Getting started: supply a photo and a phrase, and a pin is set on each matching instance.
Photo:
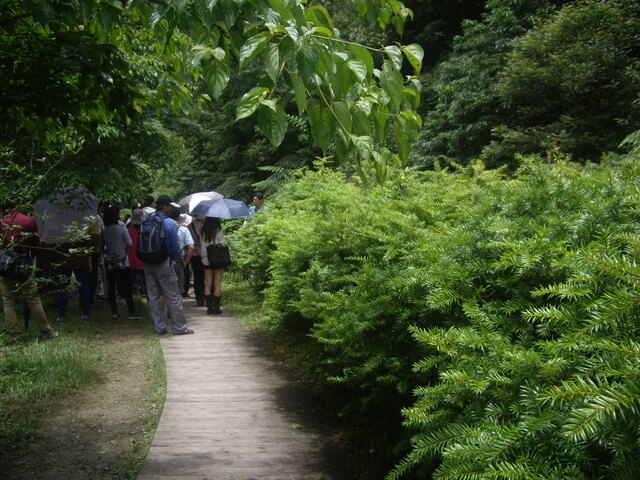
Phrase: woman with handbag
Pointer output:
(215, 258)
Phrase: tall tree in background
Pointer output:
(466, 105)
(572, 83)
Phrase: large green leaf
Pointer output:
(414, 54)
(380, 165)
(319, 16)
(280, 7)
(250, 102)
(343, 115)
(216, 76)
(359, 68)
(380, 114)
(363, 145)
(395, 55)
(362, 54)
(272, 61)
(322, 122)
(361, 122)
(272, 124)
(299, 91)
(392, 83)
(253, 46)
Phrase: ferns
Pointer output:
(509, 308)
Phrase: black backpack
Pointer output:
(152, 244)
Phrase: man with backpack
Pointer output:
(158, 249)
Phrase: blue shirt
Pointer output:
(253, 210)
(171, 229)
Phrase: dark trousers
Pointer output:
(187, 278)
(198, 278)
(93, 275)
(82, 277)
(123, 279)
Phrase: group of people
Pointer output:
(110, 260)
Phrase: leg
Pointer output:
(125, 281)
(168, 281)
(153, 293)
(198, 279)
(9, 297)
(208, 289)
(187, 280)
(84, 291)
(217, 282)
(180, 274)
(217, 289)
(30, 294)
(112, 278)
(93, 276)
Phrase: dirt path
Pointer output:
(101, 431)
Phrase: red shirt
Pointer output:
(134, 261)
(14, 227)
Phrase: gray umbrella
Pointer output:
(66, 209)
(188, 203)
(221, 208)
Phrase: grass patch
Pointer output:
(35, 374)
(35, 371)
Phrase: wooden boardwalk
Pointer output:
(233, 413)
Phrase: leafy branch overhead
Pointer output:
(354, 97)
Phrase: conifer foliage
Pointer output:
(498, 315)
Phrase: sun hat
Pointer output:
(185, 219)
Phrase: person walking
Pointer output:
(20, 233)
(212, 236)
(161, 277)
(116, 242)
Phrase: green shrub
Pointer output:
(502, 308)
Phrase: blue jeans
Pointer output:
(82, 277)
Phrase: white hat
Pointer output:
(185, 219)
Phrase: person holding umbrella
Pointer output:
(214, 250)
(212, 238)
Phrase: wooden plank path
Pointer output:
(233, 413)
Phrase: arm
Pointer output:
(187, 257)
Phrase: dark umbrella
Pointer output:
(65, 209)
(221, 208)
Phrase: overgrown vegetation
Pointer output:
(497, 314)
(474, 314)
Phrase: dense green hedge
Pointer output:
(480, 326)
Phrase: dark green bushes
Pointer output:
(498, 314)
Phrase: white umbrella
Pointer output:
(188, 203)
(64, 210)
